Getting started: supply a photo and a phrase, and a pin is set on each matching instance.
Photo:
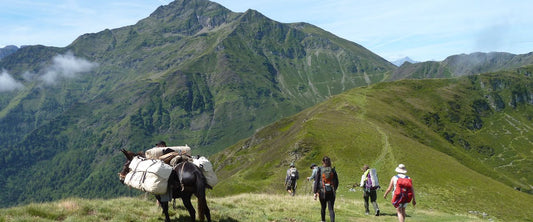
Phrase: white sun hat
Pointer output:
(401, 169)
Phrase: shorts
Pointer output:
(402, 205)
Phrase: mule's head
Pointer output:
(126, 169)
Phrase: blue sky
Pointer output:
(421, 29)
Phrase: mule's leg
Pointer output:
(164, 206)
(203, 208)
(186, 198)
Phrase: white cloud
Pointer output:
(8, 83)
(66, 66)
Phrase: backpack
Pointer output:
(327, 175)
(372, 182)
(294, 174)
(403, 192)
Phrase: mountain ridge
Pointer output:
(205, 77)
(459, 159)
(463, 64)
(8, 50)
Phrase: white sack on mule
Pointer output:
(148, 175)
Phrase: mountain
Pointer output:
(461, 65)
(466, 142)
(8, 50)
(193, 72)
(401, 61)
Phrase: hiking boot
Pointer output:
(377, 212)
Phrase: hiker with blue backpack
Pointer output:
(370, 184)
(403, 192)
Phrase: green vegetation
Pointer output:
(196, 73)
(243, 207)
(462, 149)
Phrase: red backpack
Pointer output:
(403, 192)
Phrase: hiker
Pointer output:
(313, 167)
(369, 183)
(403, 191)
(325, 187)
(290, 179)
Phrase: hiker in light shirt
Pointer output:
(313, 167)
(369, 191)
(400, 199)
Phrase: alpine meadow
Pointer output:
(255, 95)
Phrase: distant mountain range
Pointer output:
(461, 65)
(8, 50)
(401, 61)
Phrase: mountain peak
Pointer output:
(188, 16)
(184, 7)
(8, 50)
(399, 62)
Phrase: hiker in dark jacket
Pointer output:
(325, 187)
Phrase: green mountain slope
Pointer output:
(461, 65)
(466, 142)
(193, 72)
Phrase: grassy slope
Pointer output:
(383, 125)
(244, 207)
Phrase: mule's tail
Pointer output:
(203, 210)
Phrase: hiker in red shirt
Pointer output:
(403, 191)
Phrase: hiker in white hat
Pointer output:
(401, 169)
(403, 192)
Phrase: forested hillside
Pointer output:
(193, 72)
